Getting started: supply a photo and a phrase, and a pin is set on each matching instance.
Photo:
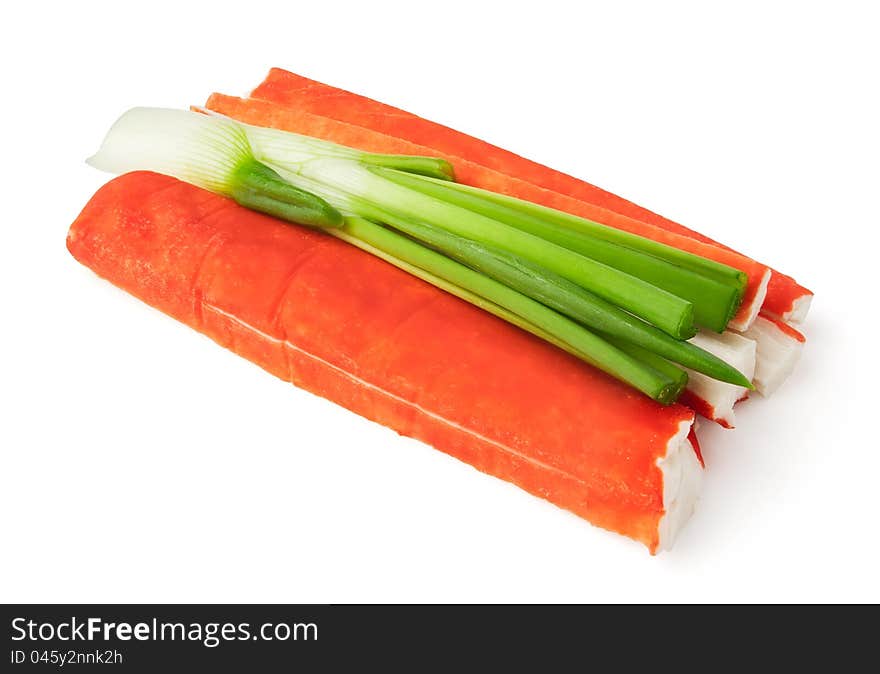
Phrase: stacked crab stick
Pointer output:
(714, 399)
(303, 106)
(417, 353)
(316, 311)
(778, 348)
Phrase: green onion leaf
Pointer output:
(682, 258)
(591, 348)
(428, 167)
(715, 298)
(571, 300)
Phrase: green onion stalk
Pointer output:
(715, 290)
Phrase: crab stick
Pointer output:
(714, 399)
(786, 299)
(779, 348)
(263, 113)
(315, 311)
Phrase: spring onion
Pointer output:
(620, 303)
(353, 188)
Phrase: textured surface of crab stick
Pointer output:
(786, 299)
(264, 113)
(779, 348)
(345, 325)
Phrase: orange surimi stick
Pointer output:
(345, 325)
(264, 113)
(779, 348)
(714, 399)
(785, 298)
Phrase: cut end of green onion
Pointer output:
(686, 327)
(738, 299)
(670, 392)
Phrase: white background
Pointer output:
(140, 462)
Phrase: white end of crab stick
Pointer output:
(799, 309)
(709, 397)
(797, 313)
(779, 347)
(748, 313)
(682, 477)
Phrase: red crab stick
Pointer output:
(345, 325)
(264, 113)
(785, 298)
(714, 399)
(779, 348)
